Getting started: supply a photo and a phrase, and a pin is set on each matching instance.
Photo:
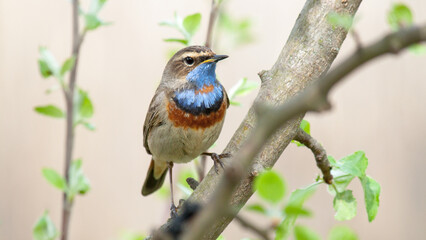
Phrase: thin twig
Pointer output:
(319, 153)
(201, 167)
(263, 233)
(356, 38)
(69, 98)
(213, 14)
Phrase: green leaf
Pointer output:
(183, 41)
(191, 23)
(96, 6)
(78, 183)
(341, 181)
(220, 238)
(235, 103)
(400, 16)
(52, 89)
(44, 228)
(47, 63)
(130, 235)
(50, 110)
(242, 87)
(296, 201)
(54, 178)
(340, 20)
(371, 196)
(83, 107)
(89, 126)
(342, 233)
(299, 196)
(270, 186)
(92, 21)
(344, 204)
(417, 49)
(237, 31)
(257, 207)
(354, 164)
(86, 107)
(168, 23)
(298, 211)
(332, 161)
(305, 126)
(304, 233)
(67, 65)
(44, 69)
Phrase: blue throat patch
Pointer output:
(207, 94)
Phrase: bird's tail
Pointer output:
(154, 178)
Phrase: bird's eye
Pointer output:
(189, 61)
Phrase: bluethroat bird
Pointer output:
(185, 116)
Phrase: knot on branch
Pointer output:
(264, 75)
(256, 170)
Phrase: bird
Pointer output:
(185, 116)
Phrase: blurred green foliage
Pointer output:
(340, 20)
(44, 229)
(91, 17)
(233, 32)
(241, 88)
(130, 235)
(342, 233)
(187, 26)
(270, 186)
(50, 111)
(400, 16)
(305, 233)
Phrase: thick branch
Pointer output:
(311, 99)
(319, 153)
(311, 48)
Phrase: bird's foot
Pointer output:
(173, 211)
(217, 160)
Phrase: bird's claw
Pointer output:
(173, 211)
(217, 160)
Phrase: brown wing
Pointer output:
(152, 118)
(226, 96)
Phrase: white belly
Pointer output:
(180, 145)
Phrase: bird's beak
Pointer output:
(216, 58)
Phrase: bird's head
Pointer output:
(195, 65)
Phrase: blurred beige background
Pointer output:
(379, 109)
